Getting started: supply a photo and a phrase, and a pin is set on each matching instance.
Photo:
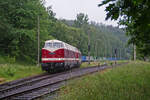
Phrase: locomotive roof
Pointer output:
(53, 41)
(70, 46)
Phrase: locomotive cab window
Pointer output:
(54, 45)
(48, 45)
(57, 45)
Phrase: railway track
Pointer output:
(37, 86)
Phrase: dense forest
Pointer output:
(18, 31)
(104, 39)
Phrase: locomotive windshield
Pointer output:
(48, 45)
(57, 45)
(53, 45)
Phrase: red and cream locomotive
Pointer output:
(59, 55)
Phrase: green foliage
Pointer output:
(103, 39)
(7, 59)
(10, 60)
(129, 82)
(15, 71)
(18, 31)
(81, 20)
(135, 16)
(10, 72)
(19, 27)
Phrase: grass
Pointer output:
(10, 69)
(9, 72)
(129, 82)
(85, 64)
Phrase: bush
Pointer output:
(10, 71)
(7, 59)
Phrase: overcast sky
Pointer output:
(68, 9)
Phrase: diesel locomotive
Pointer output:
(59, 55)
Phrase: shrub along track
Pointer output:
(37, 86)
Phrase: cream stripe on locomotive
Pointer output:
(54, 59)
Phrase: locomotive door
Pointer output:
(66, 63)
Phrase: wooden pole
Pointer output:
(134, 52)
(38, 37)
(115, 56)
(88, 47)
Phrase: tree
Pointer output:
(18, 30)
(18, 27)
(135, 16)
(81, 20)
